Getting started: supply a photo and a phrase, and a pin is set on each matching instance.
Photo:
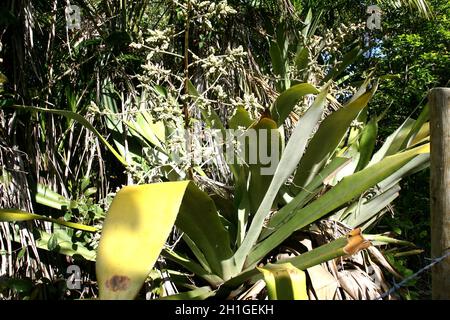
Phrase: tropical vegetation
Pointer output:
(102, 127)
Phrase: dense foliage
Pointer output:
(84, 112)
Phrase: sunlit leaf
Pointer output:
(137, 225)
(284, 282)
(287, 100)
(289, 160)
(345, 191)
(327, 138)
(19, 215)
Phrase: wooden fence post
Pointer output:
(440, 189)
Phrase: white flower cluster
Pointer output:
(329, 46)
(156, 71)
(166, 109)
(218, 64)
(209, 69)
(218, 90)
(232, 54)
(160, 38)
(335, 38)
(156, 41)
(357, 124)
(250, 103)
(204, 12)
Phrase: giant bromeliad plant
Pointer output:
(327, 170)
(328, 182)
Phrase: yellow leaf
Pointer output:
(284, 282)
(134, 232)
(10, 215)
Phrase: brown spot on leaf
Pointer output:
(118, 283)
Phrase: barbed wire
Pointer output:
(397, 286)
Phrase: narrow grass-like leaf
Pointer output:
(370, 209)
(422, 135)
(286, 101)
(153, 132)
(347, 60)
(394, 141)
(421, 120)
(10, 215)
(80, 119)
(367, 143)
(418, 163)
(378, 239)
